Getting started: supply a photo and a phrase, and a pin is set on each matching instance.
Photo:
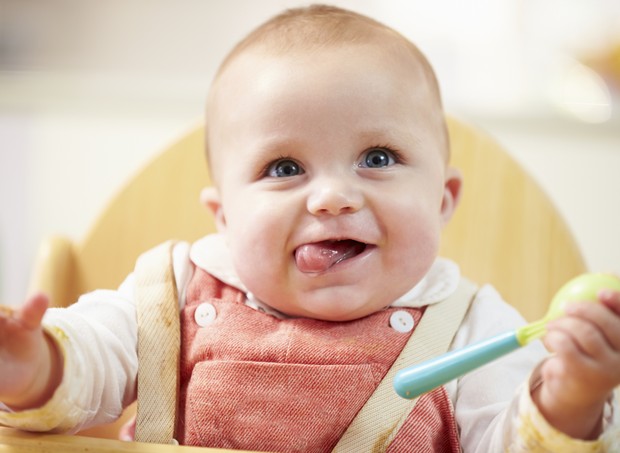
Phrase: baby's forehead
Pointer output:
(314, 39)
(402, 56)
(240, 86)
(387, 55)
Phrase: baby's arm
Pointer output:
(30, 361)
(96, 339)
(585, 368)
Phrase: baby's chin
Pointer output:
(326, 311)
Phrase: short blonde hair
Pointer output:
(318, 27)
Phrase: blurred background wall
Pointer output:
(90, 90)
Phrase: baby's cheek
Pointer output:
(260, 264)
(420, 245)
(409, 263)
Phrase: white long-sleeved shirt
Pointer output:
(493, 408)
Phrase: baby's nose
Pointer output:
(333, 197)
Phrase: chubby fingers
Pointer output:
(31, 313)
(587, 340)
(610, 299)
(595, 326)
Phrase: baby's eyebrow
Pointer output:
(277, 147)
(394, 135)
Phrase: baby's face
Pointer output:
(331, 179)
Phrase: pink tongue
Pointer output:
(320, 256)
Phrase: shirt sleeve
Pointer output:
(529, 431)
(97, 337)
(493, 406)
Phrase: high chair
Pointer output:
(506, 231)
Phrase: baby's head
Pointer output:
(320, 28)
(328, 147)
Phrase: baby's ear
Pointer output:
(451, 194)
(210, 197)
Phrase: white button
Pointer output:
(205, 314)
(174, 442)
(402, 321)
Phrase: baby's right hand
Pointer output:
(29, 361)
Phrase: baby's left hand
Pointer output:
(585, 366)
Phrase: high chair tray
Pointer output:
(14, 441)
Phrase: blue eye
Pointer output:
(377, 158)
(284, 168)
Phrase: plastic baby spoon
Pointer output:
(413, 381)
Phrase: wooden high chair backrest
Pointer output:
(506, 231)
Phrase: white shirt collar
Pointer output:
(211, 254)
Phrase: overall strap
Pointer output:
(378, 422)
(157, 310)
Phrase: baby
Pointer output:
(330, 157)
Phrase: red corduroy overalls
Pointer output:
(252, 381)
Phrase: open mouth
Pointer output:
(321, 256)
